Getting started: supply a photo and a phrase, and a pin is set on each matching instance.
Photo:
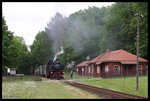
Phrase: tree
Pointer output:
(6, 42)
(14, 51)
(122, 26)
(41, 49)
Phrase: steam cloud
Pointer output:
(74, 31)
(70, 65)
(58, 53)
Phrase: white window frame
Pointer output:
(92, 68)
(107, 68)
(115, 69)
(98, 69)
(140, 68)
(82, 69)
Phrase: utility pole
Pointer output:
(67, 66)
(88, 58)
(137, 66)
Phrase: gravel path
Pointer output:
(70, 80)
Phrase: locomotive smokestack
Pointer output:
(58, 53)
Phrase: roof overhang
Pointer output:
(98, 63)
(128, 62)
(131, 62)
(121, 61)
(80, 66)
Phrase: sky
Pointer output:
(26, 19)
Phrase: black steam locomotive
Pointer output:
(53, 70)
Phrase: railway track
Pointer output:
(105, 93)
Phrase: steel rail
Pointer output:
(105, 93)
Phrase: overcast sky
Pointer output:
(26, 19)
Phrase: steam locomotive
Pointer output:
(53, 70)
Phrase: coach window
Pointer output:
(116, 69)
(140, 69)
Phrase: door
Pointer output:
(102, 72)
(87, 71)
(95, 70)
(125, 70)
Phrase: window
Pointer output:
(106, 68)
(140, 69)
(82, 69)
(77, 69)
(92, 68)
(116, 69)
(98, 69)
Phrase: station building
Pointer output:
(82, 69)
(112, 64)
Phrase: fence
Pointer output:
(123, 74)
(22, 78)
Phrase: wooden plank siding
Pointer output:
(124, 70)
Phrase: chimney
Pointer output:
(107, 50)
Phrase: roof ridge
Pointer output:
(113, 54)
(119, 51)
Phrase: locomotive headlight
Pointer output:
(51, 72)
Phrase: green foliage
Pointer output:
(41, 49)
(68, 56)
(14, 51)
(122, 27)
(6, 42)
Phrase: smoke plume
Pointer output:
(69, 32)
(58, 53)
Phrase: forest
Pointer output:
(89, 32)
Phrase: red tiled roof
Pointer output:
(117, 55)
(83, 64)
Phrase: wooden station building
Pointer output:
(112, 63)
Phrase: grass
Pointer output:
(127, 84)
(18, 90)
(60, 91)
(42, 90)
(28, 88)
